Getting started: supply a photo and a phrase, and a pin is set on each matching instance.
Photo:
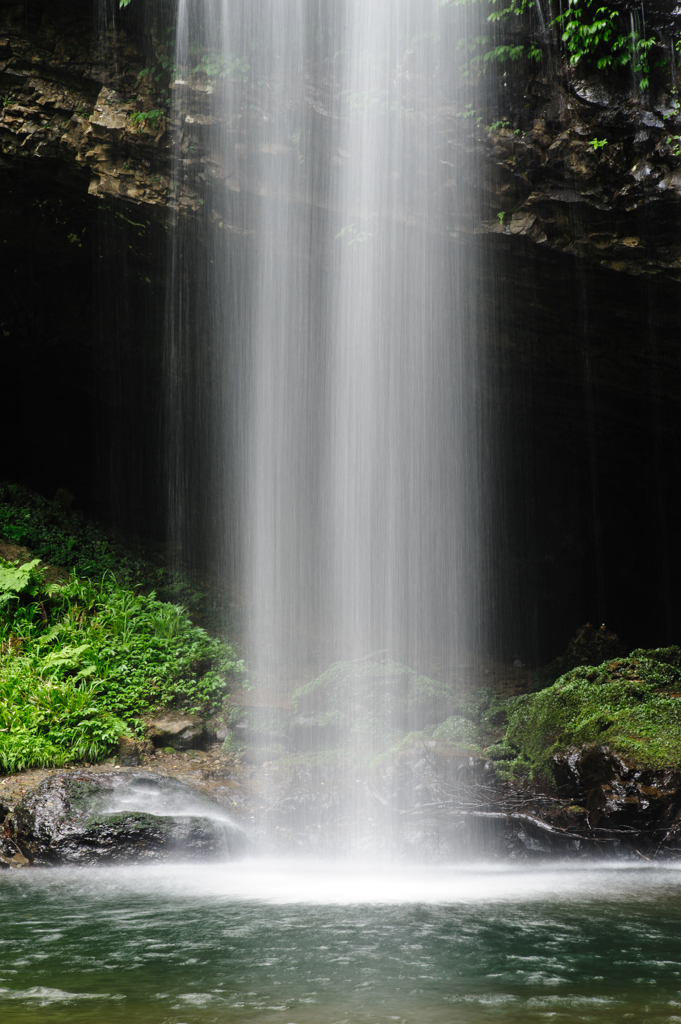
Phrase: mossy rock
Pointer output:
(457, 731)
(589, 646)
(632, 705)
(372, 698)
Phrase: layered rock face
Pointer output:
(69, 88)
(618, 795)
(89, 98)
(588, 166)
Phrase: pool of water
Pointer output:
(311, 943)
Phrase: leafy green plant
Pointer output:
(47, 722)
(63, 537)
(591, 30)
(165, 64)
(96, 660)
(83, 658)
(598, 34)
(598, 144)
(142, 118)
(676, 149)
(17, 581)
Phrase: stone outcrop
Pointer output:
(80, 102)
(69, 91)
(182, 731)
(555, 188)
(614, 794)
(87, 818)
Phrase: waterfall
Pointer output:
(322, 396)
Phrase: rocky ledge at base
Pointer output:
(602, 806)
(89, 818)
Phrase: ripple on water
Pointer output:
(321, 943)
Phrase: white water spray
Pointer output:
(338, 295)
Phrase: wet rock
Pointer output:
(87, 818)
(594, 91)
(14, 860)
(616, 794)
(180, 731)
(367, 696)
(77, 105)
(130, 751)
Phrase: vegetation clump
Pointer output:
(82, 658)
(593, 32)
(457, 731)
(633, 705)
(61, 536)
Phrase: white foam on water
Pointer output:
(335, 883)
(40, 995)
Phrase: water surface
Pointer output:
(313, 943)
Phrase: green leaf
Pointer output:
(19, 579)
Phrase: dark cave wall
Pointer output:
(581, 376)
(81, 349)
(583, 412)
(83, 272)
(48, 413)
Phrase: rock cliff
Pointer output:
(582, 162)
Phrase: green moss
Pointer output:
(457, 731)
(373, 698)
(502, 750)
(631, 704)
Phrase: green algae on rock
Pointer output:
(632, 705)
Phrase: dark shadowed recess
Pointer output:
(584, 428)
(81, 347)
(580, 383)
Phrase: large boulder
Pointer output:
(94, 818)
(631, 705)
